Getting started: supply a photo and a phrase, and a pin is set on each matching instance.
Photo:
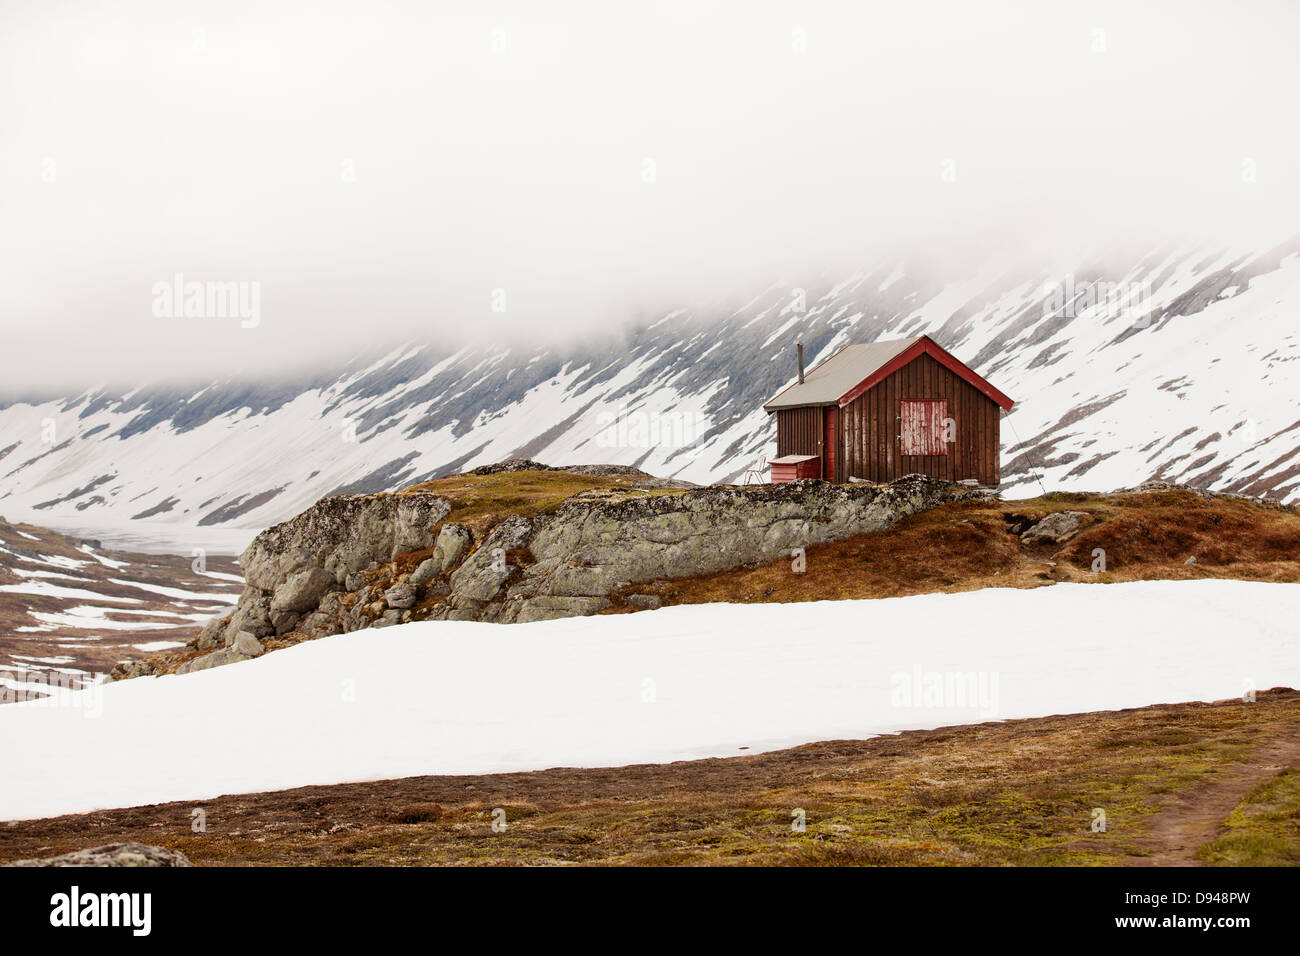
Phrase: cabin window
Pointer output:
(923, 426)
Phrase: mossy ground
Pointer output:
(525, 493)
(1264, 830)
(1013, 793)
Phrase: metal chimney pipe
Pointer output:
(799, 346)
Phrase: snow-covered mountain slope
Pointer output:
(675, 684)
(1172, 364)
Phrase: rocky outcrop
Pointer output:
(358, 561)
(341, 535)
(592, 546)
(293, 568)
(113, 854)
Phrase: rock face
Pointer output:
(591, 546)
(452, 543)
(293, 568)
(358, 561)
(113, 854)
(302, 590)
(342, 534)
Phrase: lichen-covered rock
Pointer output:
(218, 658)
(426, 572)
(591, 546)
(564, 562)
(401, 596)
(113, 854)
(302, 590)
(332, 604)
(321, 624)
(484, 572)
(124, 670)
(452, 543)
(549, 608)
(344, 534)
(284, 621)
(247, 645)
(253, 613)
(213, 634)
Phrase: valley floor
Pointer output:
(70, 609)
(1181, 784)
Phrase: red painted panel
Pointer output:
(922, 426)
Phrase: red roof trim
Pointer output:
(926, 346)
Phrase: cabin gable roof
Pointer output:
(855, 369)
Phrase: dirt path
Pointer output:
(1195, 816)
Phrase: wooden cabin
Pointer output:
(881, 410)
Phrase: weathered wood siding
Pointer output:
(798, 432)
(870, 428)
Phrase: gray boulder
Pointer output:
(482, 575)
(215, 659)
(1056, 528)
(332, 604)
(125, 670)
(284, 621)
(453, 540)
(247, 645)
(251, 614)
(213, 634)
(400, 596)
(113, 854)
(426, 572)
(548, 608)
(321, 624)
(302, 590)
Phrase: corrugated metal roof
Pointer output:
(838, 374)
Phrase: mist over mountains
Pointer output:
(1174, 364)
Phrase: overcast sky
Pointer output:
(379, 169)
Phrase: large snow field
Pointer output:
(673, 684)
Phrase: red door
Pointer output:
(830, 421)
